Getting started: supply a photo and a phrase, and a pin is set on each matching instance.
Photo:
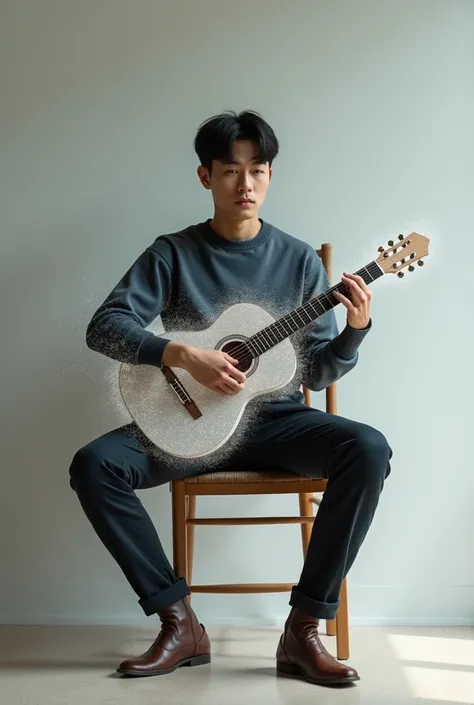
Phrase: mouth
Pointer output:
(245, 202)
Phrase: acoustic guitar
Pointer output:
(184, 418)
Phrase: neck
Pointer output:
(232, 229)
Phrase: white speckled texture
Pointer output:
(161, 416)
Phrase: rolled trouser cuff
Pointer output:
(165, 598)
(318, 610)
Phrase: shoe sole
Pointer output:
(194, 661)
(293, 672)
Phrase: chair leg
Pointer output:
(178, 500)
(342, 624)
(306, 510)
(191, 514)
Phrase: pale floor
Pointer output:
(76, 665)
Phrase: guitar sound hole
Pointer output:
(238, 350)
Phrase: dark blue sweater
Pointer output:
(189, 277)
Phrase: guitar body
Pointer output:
(161, 415)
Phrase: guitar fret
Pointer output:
(369, 274)
(329, 301)
(312, 309)
(251, 343)
(281, 329)
(277, 323)
(258, 342)
(302, 319)
(270, 330)
(321, 305)
(278, 333)
(266, 340)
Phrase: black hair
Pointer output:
(216, 136)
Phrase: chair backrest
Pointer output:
(325, 253)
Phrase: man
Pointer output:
(188, 278)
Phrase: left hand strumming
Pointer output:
(358, 306)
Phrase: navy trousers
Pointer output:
(354, 458)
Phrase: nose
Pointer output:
(245, 184)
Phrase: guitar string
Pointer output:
(246, 345)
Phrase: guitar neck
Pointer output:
(302, 316)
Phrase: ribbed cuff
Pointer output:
(345, 344)
(164, 599)
(150, 351)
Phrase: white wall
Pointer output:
(373, 104)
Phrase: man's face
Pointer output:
(231, 183)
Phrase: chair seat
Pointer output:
(242, 476)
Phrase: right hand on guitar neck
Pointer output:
(214, 369)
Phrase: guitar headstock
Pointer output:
(404, 253)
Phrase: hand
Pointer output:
(214, 369)
(358, 306)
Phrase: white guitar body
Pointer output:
(161, 415)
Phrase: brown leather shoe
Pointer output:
(300, 653)
(182, 641)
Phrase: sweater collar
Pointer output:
(211, 236)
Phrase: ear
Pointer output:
(203, 174)
(270, 172)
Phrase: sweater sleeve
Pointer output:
(117, 328)
(327, 355)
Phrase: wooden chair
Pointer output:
(185, 491)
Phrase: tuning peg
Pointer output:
(400, 237)
(411, 268)
(420, 263)
(400, 274)
(390, 243)
(381, 249)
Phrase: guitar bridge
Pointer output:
(180, 390)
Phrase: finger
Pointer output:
(230, 358)
(359, 280)
(236, 374)
(223, 388)
(344, 300)
(234, 384)
(227, 389)
(357, 292)
(226, 381)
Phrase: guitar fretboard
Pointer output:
(303, 315)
